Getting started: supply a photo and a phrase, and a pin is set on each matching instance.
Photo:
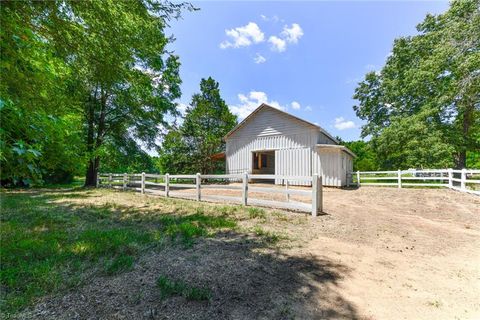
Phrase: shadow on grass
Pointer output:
(246, 277)
(242, 277)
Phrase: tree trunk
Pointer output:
(461, 160)
(92, 172)
(467, 122)
(94, 139)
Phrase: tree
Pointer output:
(109, 62)
(207, 120)
(423, 108)
(366, 158)
(126, 77)
(38, 136)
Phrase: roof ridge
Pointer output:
(238, 126)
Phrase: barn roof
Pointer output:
(263, 106)
(338, 147)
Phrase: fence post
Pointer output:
(124, 181)
(245, 189)
(286, 189)
(167, 185)
(110, 178)
(463, 179)
(317, 189)
(450, 178)
(358, 178)
(97, 184)
(143, 183)
(198, 183)
(399, 179)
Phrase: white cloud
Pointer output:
(273, 18)
(243, 36)
(295, 105)
(342, 124)
(289, 35)
(250, 102)
(259, 59)
(308, 108)
(278, 44)
(292, 34)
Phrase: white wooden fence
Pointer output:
(465, 180)
(191, 186)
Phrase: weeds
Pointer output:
(169, 288)
(255, 213)
(119, 264)
(267, 236)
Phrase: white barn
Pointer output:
(271, 141)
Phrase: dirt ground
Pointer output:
(377, 253)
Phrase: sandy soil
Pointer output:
(377, 253)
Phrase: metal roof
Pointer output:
(337, 146)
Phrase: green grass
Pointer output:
(255, 213)
(169, 288)
(267, 236)
(119, 264)
(50, 243)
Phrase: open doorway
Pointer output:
(263, 162)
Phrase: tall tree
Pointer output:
(207, 121)
(423, 107)
(123, 80)
(39, 136)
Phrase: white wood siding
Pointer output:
(293, 162)
(333, 165)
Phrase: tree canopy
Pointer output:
(83, 78)
(423, 108)
(190, 147)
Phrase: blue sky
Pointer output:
(303, 57)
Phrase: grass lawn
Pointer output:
(56, 239)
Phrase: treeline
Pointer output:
(422, 109)
(369, 160)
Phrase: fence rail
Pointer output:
(175, 186)
(465, 180)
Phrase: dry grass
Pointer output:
(416, 251)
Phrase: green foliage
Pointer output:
(169, 288)
(81, 79)
(189, 148)
(366, 157)
(39, 138)
(126, 157)
(423, 107)
(473, 159)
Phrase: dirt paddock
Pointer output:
(377, 253)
